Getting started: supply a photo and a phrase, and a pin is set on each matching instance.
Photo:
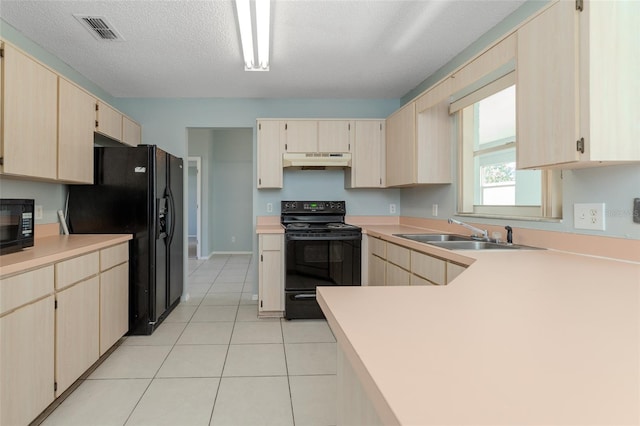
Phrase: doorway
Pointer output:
(195, 196)
(226, 179)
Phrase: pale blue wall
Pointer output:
(614, 185)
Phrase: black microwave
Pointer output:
(16, 225)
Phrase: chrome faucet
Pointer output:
(477, 232)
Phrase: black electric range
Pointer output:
(320, 250)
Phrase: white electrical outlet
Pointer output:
(392, 208)
(233, 239)
(589, 216)
(37, 212)
(434, 210)
(269, 207)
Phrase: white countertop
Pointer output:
(521, 337)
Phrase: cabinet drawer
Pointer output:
(271, 242)
(416, 280)
(399, 256)
(453, 270)
(76, 269)
(431, 268)
(397, 276)
(113, 256)
(21, 289)
(378, 247)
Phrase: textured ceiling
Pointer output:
(319, 48)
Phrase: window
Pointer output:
(491, 184)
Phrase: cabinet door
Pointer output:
(335, 135)
(131, 132)
(301, 136)
(396, 275)
(114, 305)
(377, 271)
(271, 273)
(26, 362)
(547, 88)
(400, 147)
(30, 117)
(76, 124)
(433, 135)
(109, 121)
(77, 331)
(428, 267)
(398, 255)
(367, 165)
(269, 154)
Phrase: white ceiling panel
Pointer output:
(319, 48)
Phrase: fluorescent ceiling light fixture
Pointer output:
(245, 21)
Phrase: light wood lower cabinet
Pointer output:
(114, 305)
(271, 275)
(391, 264)
(77, 331)
(397, 276)
(27, 362)
(428, 267)
(55, 322)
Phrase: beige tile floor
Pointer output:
(213, 362)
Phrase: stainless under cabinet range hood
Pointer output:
(318, 159)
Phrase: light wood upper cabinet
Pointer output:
(300, 136)
(367, 163)
(400, 147)
(577, 79)
(76, 124)
(29, 117)
(269, 154)
(108, 121)
(131, 132)
(335, 136)
(310, 136)
(271, 274)
(433, 135)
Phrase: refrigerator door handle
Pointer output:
(171, 214)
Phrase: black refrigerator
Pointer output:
(138, 190)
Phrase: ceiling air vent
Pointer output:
(99, 27)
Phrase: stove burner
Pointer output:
(338, 226)
(298, 225)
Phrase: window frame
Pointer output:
(551, 200)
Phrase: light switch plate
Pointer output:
(589, 216)
(37, 212)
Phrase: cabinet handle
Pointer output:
(261, 258)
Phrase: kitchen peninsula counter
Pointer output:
(520, 337)
(52, 249)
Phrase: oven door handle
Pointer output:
(323, 238)
(304, 296)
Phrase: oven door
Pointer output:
(322, 261)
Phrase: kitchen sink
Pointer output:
(427, 238)
(479, 245)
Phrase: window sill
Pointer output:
(507, 217)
